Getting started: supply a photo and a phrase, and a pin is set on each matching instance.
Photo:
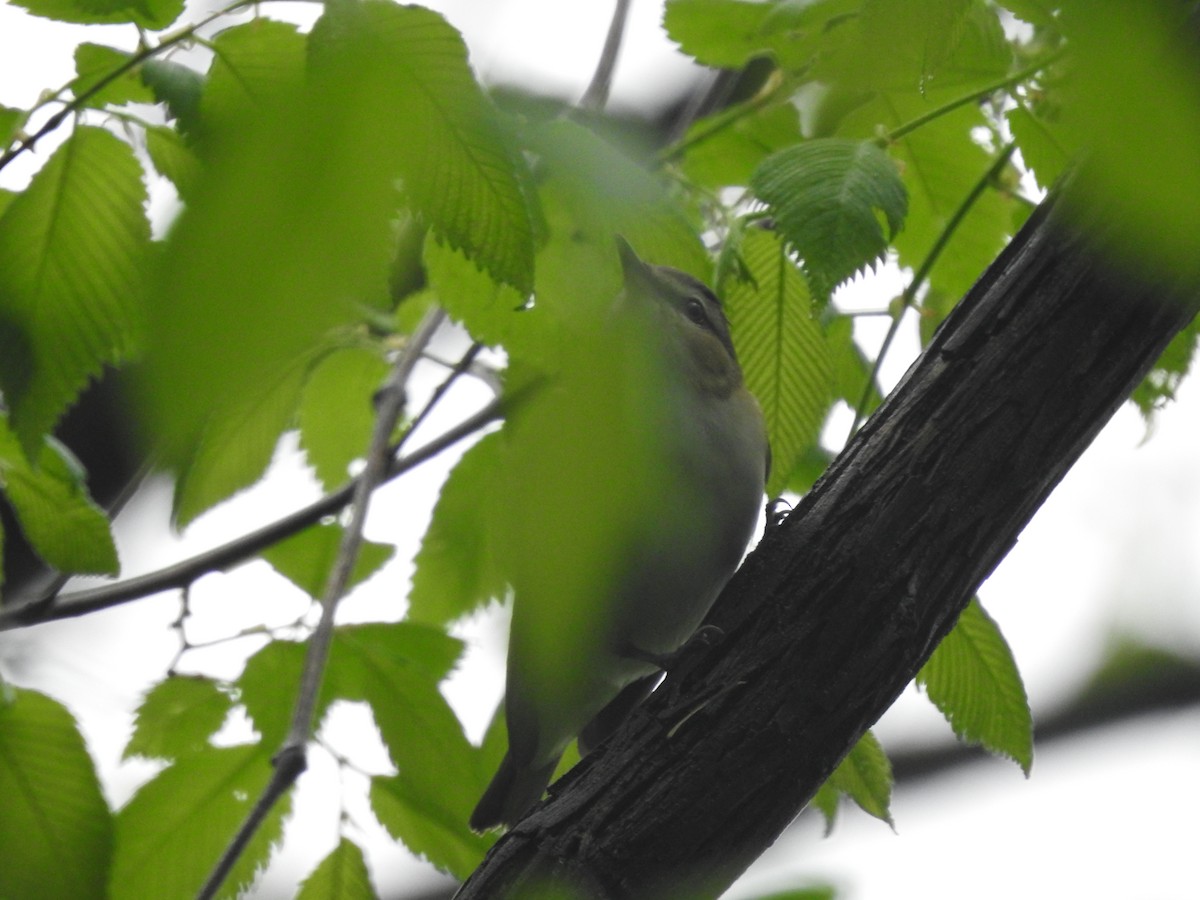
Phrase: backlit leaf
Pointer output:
(72, 248)
(782, 349)
(972, 678)
(56, 829)
(172, 831)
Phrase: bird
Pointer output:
(677, 551)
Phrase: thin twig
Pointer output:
(910, 292)
(291, 760)
(80, 102)
(237, 551)
(181, 574)
(596, 95)
(974, 97)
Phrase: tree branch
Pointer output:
(596, 95)
(838, 607)
(247, 546)
(292, 758)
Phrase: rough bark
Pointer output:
(839, 606)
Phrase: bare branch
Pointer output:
(596, 95)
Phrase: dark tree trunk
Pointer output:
(839, 606)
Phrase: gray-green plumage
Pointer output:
(712, 440)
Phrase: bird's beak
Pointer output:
(638, 276)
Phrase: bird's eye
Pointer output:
(694, 310)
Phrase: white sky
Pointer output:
(1115, 548)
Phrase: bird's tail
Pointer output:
(513, 790)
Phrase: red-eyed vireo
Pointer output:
(672, 555)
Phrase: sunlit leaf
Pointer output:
(173, 158)
(10, 121)
(782, 349)
(95, 62)
(865, 776)
(336, 413)
(342, 875)
(172, 831)
(491, 312)
(729, 33)
(307, 558)
(72, 248)
(57, 515)
(1159, 386)
(917, 47)
(1140, 152)
(255, 65)
(442, 130)
(729, 156)
(177, 716)
(152, 14)
(454, 572)
(1041, 144)
(416, 812)
(972, 678)
(56, 829)
(237, 442)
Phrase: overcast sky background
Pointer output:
(1109, 814)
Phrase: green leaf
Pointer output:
(239, 439)
(972, 678)
(831, 198)
(865, 776)
(454, 572)
(49, 495)
(94, 62)
(342, 875)
(783, 352)
(416, 812)
(72, 247)
(173, 158)
(730, 156)
(815, 892)
(336, 414)
(267, 688)
(172, 831)
(851, 368)
(461, 174)
(271, 677)
(942, 164)
(1159, 386)
(728, 33)
(177, 86)
(396, 670)
(11, 122)
(1151, 207)
(1043, 148)
(307, 558)
(915, 47)
(178, 716)
(491, 312)
(929, 44)
(56, 830)
(255, 65)
(591, 192)
(154, 15)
